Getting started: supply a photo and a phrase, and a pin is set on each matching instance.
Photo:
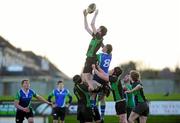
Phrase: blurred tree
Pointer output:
(126, 67)
(177, 79)
(166, 73)
(150, 74)
(177, 74)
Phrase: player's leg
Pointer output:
(123, 118)
(87, 115)
(30, 116)
(19, 116)
(87, 77)
(30, 120)
(97, 117)
(93, 99)
(101, 98)
(87, 71)
(121, 111)
(79, 114)
(62, 114)
(143, 119)
(128, 109)
(133, 116)
(145, 112)
(55, 115)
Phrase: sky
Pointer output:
(144, 31)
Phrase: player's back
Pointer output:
(104, 60)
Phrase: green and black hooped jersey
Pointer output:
(94, 45)
(82, 94)
(139, 94)
(116, 86)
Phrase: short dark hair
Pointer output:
(77, 79)
(109, 48)
(60, 81)
(103, 30)
(22, 82)
(117, 71)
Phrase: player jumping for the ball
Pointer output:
(95, 44)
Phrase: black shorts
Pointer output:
(20, 115)
(142, 109)
(84, 114)
(88, 64)
(96, 114)
(120, 107)
(59, 112)
(99, 80)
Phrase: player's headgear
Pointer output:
(117, 71)
(77, 79)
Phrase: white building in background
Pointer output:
(16, 65)
(11, 58)
(44, 64)
(14, 58)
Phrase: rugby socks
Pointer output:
(93, 103)
(103, 106)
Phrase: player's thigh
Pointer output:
(120, 107)
(123, 118)
(86, 77)
(20, 116)
(55, 113)
(62, 113)
(96, 85)
(87, 115)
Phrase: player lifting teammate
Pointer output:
(104, 60)
(117, 90)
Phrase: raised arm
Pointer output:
(93, 22)
(86, 23)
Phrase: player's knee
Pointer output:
(123, 120)
(30, 120)
(19, 121)
(130, 120)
